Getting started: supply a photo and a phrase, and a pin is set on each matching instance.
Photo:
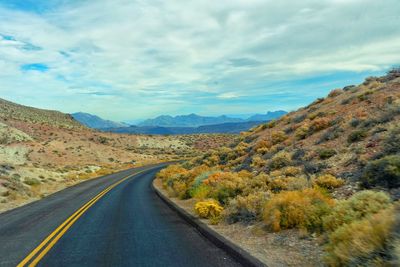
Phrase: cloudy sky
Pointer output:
(127, 59)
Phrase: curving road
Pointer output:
(122, 222)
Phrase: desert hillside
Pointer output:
(324, 179)
(42, 151)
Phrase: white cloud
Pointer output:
(125, 54)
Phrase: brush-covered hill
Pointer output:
(42, 151)
(95, 122)
(328, 172)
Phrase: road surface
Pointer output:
(116, 220)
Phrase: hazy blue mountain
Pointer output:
(229, 127)
(93, 121)
(193, 120)
(266, 117)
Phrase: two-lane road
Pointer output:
(116, 220)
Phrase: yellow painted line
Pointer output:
(60, 230)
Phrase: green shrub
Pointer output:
(382, 172)
(360, 205)
(357, 136)
(326, 153)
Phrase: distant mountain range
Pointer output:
(93, 121)
(229, 127)
(193, 120)
(182, 124)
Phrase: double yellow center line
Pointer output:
(41, 250)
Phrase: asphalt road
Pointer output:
(127, 226)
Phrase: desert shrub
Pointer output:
(328, 181)
(335, 93)
(364, 96)
(391, 74)
(297, 183)
(326, 153)
(354, 122)
(280, 160)
(278, 137)
(292, 171)
(330, 134)
(347, 100)
(257, 183)
(391, 144)
(263, 146)
(297, 209)
(278, 184)
(258, 162)
(31, 181)
(302, 132)
(226, 185)
(360, 205)
(319, 124)
(299, 118)
(209, 209)
(312, 168)
(171, 171)
(382, 172)
(348, 88)
(246, 208)
(298, 154)
(361, 243)
(200, 192)
(357, 136)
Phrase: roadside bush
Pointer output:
(360, 205)
(361, 243)
(357, 136)
(226, 185)
(209, 209)
(297, 209)
(328, 181)
(382, 172)
(246, 208)
(326, 153)
(201, 191)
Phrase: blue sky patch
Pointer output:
(35, 67)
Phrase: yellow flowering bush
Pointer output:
(328, 181)
(209, 209)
